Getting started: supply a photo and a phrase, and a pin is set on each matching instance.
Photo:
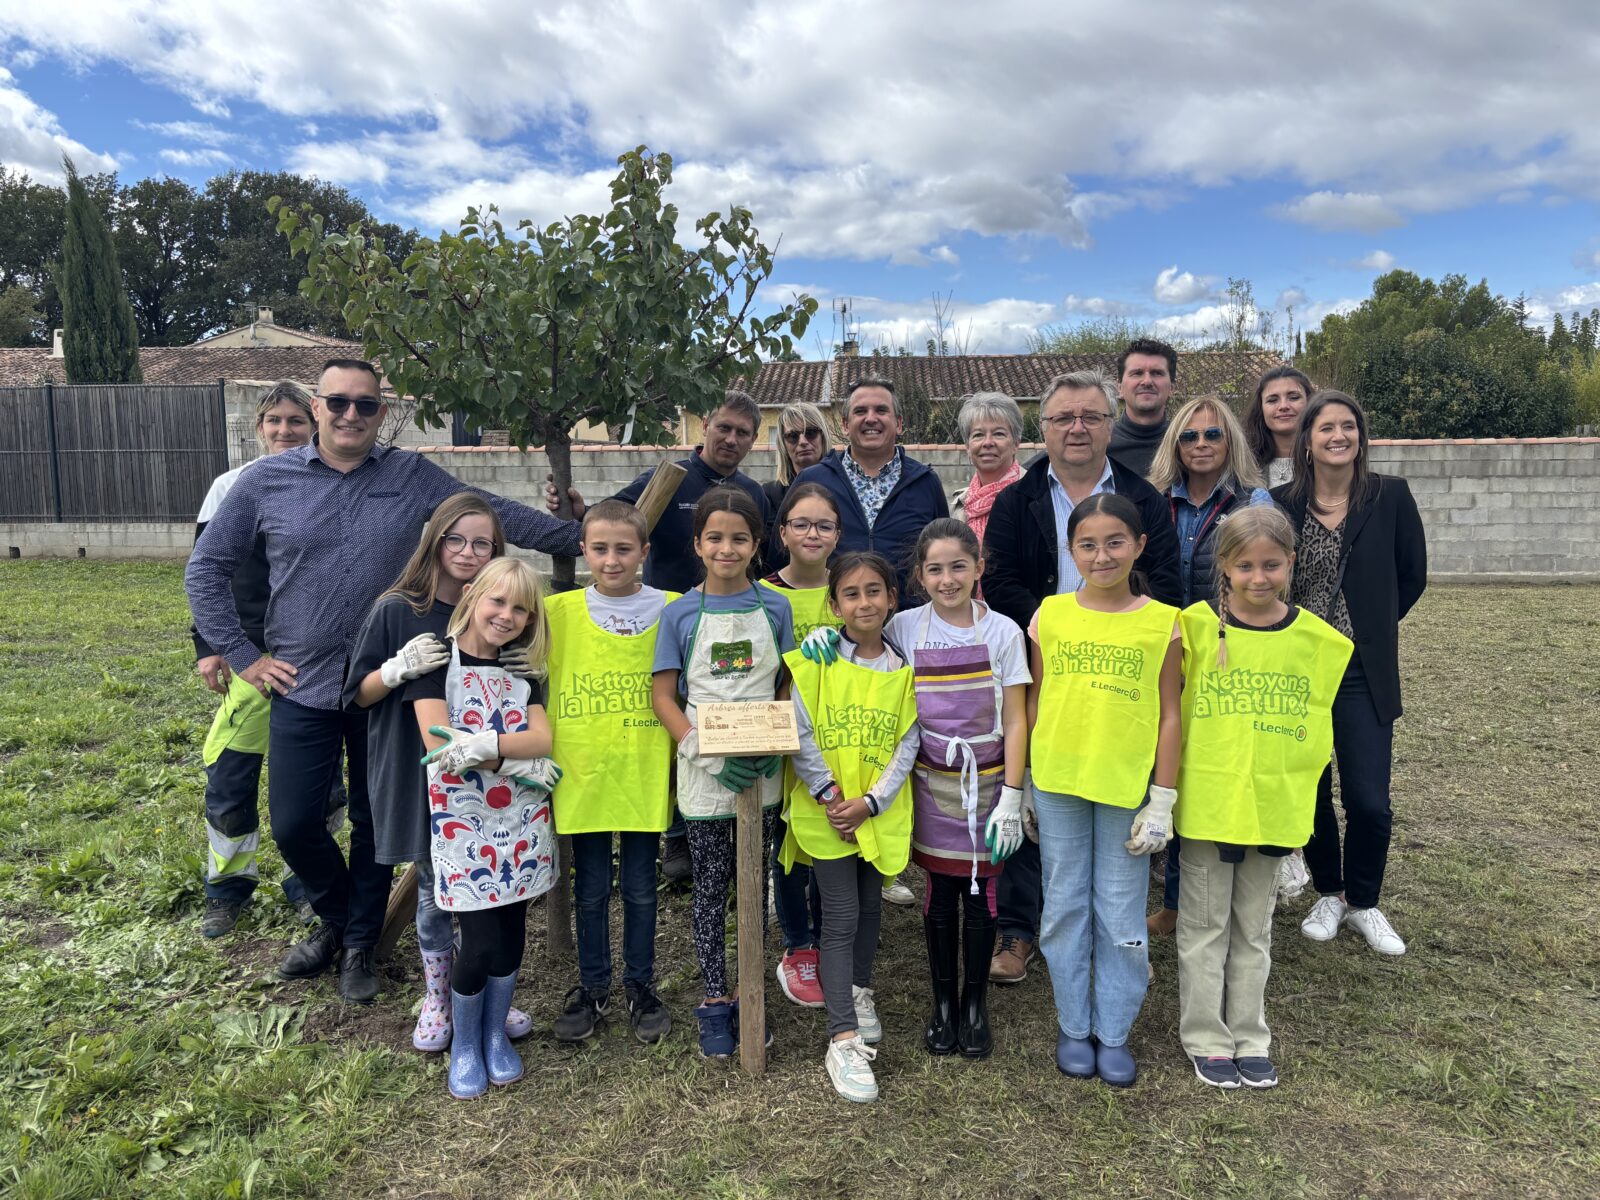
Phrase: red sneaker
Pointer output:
(797, 976)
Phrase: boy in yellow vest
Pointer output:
(617, 759)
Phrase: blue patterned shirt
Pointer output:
(873, 490)
(334, 540)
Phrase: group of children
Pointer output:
(917, 726)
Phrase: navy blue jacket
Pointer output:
(673, 565)
(917, 499)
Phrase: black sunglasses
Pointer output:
(1212, 434)
(365, 405)
(811, 434)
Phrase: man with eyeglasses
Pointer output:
(1026, 559)
(885, 496)
(1146, 371)
(339, 518)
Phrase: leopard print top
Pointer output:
(1315, 571)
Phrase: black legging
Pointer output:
(948, 893)
(491, 945)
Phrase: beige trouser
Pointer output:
(1224, 951)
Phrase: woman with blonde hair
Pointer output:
(236, 746)
(1205, 470)
(800, 439)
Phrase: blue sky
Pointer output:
(1038, 163)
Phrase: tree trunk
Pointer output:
(563, 578)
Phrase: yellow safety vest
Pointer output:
(858, 717)
(240, 724)
(808, 607)
(1257, 733)
(615, 756)
(1099, 699)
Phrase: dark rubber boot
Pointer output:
(976, 1040)
(943, 952)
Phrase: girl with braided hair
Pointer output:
(1260, 676)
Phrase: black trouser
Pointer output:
(1019, 896)
(491, 946)
(1363, 746)
(304, 746)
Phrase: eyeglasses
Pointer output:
(810, 433)
(1064, 422)
(1212, 433)
(803, 526)
(481, 547)
(367, 406)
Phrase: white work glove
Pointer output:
(1152, 828)
(415, 659)
(1003, 833)
(821, 645)
(515, 660)
(462, 751)
(542, 774)
(734, 774)
(1030, 814)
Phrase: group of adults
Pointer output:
(295, 549)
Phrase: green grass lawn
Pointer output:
(136, 1059)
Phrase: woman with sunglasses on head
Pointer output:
(402, 640)
(1204, 470)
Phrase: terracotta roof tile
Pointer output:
(780, 383)
(30, 366)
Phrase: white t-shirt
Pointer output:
(921, 629)
(627, 615)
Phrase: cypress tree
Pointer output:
(101, 341)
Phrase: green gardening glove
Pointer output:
(737, 774)
(768, 765)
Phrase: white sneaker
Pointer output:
(868, 1028)
(899, 893)
(1322, 922)
(1293, 878)
(850, 1068)
(1371, 924)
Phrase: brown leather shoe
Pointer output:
(1011, 958)
(1162, 923)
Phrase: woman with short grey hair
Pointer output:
(991, 429)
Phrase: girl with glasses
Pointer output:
(1205, 471)
(403, 640)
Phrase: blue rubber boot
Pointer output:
(499, 1055)
(1115, 1065)
(1075, 1056)
(467, 1077)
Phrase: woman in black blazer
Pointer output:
(1362, 563)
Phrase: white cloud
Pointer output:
(1378, 260)
(1097, 306)
(203, 157)
(993, 327)
(961, 127)
(1171, 287)
(32, 140)
(202, 132)
(1364, 212)
(1292, 296)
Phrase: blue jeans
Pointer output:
(795, 895)
(591, 902)
(435, 931)
(304, 745)
(1092, 932)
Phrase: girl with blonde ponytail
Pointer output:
(1257, 732)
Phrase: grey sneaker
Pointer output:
(1218, 1070)
(647, 1016)
(868, 1028)
(581, 1015)
(220, 917)
(1257, 1072)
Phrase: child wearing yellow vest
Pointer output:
(808, 529)
(1104, 711)
(617, 760)
(849, 810)
(1260, 677)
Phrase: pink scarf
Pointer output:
(979, 498)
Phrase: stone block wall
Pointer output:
(1493, 509)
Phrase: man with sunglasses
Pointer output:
(1026, 559)
(339, 517)
(1146, 371)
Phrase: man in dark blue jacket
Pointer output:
(885, 497)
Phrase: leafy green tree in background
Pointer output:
(19, 315)
(602, 319)
(1103, 335)
(1444, 359)
(102, 341)
(166, 260)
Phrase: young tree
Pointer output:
(102, 341)
(605, 319)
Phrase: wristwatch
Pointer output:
(830, 794)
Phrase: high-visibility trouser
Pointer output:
(234, 751)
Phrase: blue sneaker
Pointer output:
(1217, 1070)
(1257, 1072)
(716, 1030)
(1115, 1065)
(1075, 1056)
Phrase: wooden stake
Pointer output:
(400, 912)
(752, 923)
